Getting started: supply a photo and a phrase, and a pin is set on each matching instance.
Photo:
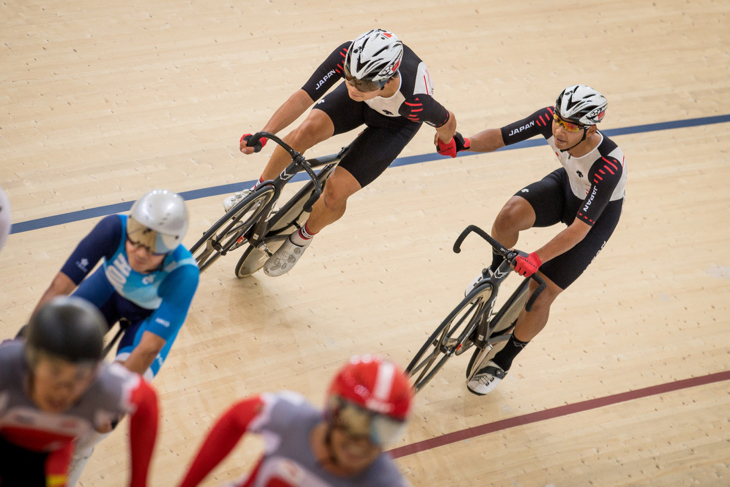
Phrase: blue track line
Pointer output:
(195, 194)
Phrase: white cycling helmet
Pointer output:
(5, 221)
(581, 104)
(372, 59)
(158, 221)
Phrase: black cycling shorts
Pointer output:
(554, 202)
(20, 467)
(378, 145)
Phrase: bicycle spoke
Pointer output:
(239, 220)
(461, 323)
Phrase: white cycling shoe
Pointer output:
(231, 201)
(486, 379)
(285, 258)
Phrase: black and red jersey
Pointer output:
(413, 100)
(596, 178)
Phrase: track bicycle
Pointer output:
(254, 223)
(474, 323)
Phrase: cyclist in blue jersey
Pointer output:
(146, 277)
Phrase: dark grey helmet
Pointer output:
(69, 328)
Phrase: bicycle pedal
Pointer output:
(262, 247)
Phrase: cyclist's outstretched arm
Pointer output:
(486, 141)
(539, 123)
(292, 109)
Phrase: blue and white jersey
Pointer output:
(142, 289)
(157, 301)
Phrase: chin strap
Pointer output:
(585, 131)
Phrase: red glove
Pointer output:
(527, 266)
(259, 145)
(457, 144)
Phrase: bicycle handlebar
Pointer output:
(297, 159)
(509, 255)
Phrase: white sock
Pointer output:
(302, 236)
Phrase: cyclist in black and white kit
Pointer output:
(586, 194)
(387, 88)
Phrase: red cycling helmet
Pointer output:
(370, 396)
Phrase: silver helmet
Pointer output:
(581, 104)
(5, 221)
(158, 221)
(372, 59)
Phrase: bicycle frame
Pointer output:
(232, 230)
(266, 227)
(476, 327)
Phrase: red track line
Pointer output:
(556, 413)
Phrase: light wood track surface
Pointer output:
(102, 101)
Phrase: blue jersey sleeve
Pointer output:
(176, 292)
(103, 241)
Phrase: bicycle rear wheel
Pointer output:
(452, 337)
(228, 233)
(502, 326)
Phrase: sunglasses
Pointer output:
(362, 85)
(144, 245)
(568, 126)
(359, 423)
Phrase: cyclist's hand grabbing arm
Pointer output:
(447, 140)
(446, 132)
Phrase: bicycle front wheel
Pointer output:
(253, 258)
(501, 327)
(453, 336)
(229, 233)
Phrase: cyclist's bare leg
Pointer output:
(530, 324)
(332, 204)
(316, 127)
(527, 327)
(516, 215)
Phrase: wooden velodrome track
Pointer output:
(103, 101)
